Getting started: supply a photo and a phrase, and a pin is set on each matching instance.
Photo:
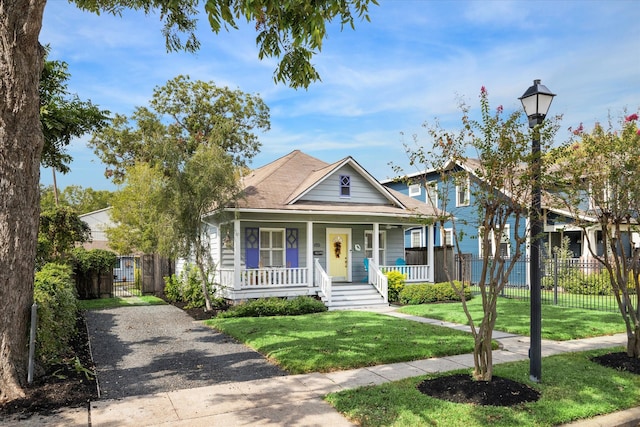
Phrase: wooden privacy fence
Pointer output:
(149, 279)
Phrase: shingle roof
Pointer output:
(276, 186)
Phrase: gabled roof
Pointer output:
(283, 184)
(472, 166)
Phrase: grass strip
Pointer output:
(572, 388)
(558, 323)
(339, 340)
(102, 303)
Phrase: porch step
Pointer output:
(349, 296)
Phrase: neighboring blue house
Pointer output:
(427, 187)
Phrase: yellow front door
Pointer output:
(338, 254)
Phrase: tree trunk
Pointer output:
(21, 141)
(482, 355)
(204, 276)
(633, 343)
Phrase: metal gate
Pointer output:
(126, 276)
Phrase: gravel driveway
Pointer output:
(150, 349)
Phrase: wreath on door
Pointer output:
(337, 246)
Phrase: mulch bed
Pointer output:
(461, 388)
(61, 386)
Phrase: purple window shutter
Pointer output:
(252, 247)
(292, 247)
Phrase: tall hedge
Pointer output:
(55, 293)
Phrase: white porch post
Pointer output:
(310, 263)
(237, 248)
(376, 243)
(429, 242)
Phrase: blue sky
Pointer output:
(380, 83)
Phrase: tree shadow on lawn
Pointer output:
(346, 340)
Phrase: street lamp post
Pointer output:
(536, 102)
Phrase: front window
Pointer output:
(463, 192)
(599, 197)
(272, 251)
(382, 245)
(415, 190)
(345, 186)
(497, 247)
(416, 239)
(446, 236)
(432, 193)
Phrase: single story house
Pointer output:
(306, 227)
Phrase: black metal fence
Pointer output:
(564, 282)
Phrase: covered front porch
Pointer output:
(259, 259)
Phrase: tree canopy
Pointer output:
(290, 30)
(183, 115)
(81, 200)
(178, 161)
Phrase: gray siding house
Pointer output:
(306, 227)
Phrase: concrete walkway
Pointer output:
(296, 400)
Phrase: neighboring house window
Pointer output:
(599, 198)
(503, 246)
(415, 190)
(345, 186)
(446, 237)
(463, 192)
(382, 245)
(272, 248)
(432, 193)
(416, 238)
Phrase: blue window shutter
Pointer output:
(252, 247)
(292, 247)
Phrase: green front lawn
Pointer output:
(572, 388)
(558, 323)
(338, 340)
(102, 303)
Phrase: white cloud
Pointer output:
(411, 64)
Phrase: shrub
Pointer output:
(172, 288)
(55, 294)
(192, 289)
(396, 284)
(275, 307)
(187, 288)
(88, 266)
(426, 292)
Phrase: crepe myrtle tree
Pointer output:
(289, 30)
(602, 169)
(495, 155)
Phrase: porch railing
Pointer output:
(413, 273)
(322, 280)
(378, 280)
(266, 277)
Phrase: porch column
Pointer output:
(237, 249)
(376, 243)
(310, 264)
(429, 243)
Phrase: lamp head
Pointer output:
(536, 102)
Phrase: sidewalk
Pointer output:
(296, 400)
